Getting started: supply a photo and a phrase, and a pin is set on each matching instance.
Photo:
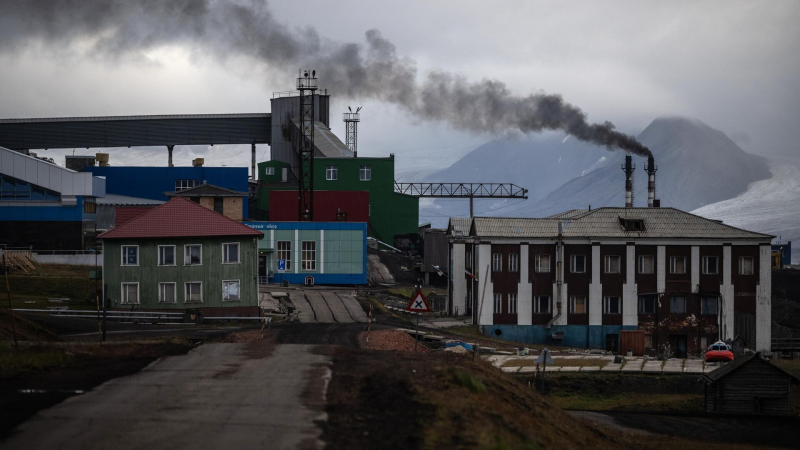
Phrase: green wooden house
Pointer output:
(181, 256)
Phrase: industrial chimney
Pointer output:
(651, 168)
(628, 169)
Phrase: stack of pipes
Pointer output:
(651, 168)
(628, 168)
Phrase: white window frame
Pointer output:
(573, 262)
(640, 268)
(365, 173)
(642, 299)
(269, 171)
(497, 262)
(174, 292)
(288, 251)
(573, 300)
(331, 173)
(607, 304)
(607, 261)
(223, 290)
(706, 259)
(122, 255)
(671, 304)
(182, 185)
(174, 256)
(185, 294)
(673, 262)
(512, 303)
(537, 309)
(538, 263)
(190, 259)
(304, 261)
(225, 253)
(498, 303)
(513, 262)
(742, 259)
(123, 298)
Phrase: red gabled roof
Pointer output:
(179, 217)
(128, 213)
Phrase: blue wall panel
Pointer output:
(580, 336)
(43, 213)
(152, 182)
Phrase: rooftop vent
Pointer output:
(631, 224)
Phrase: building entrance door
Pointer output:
(612, 343)
(680, 346)
(262, 269)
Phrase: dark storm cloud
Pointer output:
(115, 29)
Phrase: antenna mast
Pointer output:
(307, 84)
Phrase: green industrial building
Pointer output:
(181, 256)
(389, 213)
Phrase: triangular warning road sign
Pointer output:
(418, 303)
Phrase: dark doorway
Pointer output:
(612, 343)
(262, 269)
(678, 344)
(218, 204)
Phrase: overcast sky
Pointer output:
(733, 65)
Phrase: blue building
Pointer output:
(154, 182)
(44, 206)
(314, 252)
(783, 251)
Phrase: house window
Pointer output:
(130, 255)
(230, 253)
(192, 255)
(513, 262)
(498, 303)
(646, 264)
(309, 255)
(542, 263)
(577, 263)
(182, 185)
(166, 255)
(677, 305)
(541, 304)
(365, 173)
(130, 294)
(331, 173)
(269, 171)
(677, 264)
(512, 303)
(230, 291)
(497, 262)
(218, 202)
(577, 304)
(710, 265)
(632, 224)
(193, 293)
(285, 252)
(708, 305)
(647, 304)
(612, 263)
(89, 207)
(166, 293)
(746, 265)
(611, 305)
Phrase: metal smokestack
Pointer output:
(651, 169)
(628, 169)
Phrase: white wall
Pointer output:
(726, 291)
(71, 260)
(630, 313)
(459, 293)
(485, 294)
(524, 290)
(595, 289)
(764, 301)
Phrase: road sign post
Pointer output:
(418, 305)
(281, 268)
(544, 359)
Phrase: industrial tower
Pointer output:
(351, 120)
(307, 84)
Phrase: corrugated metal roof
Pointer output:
(179, 217)
(126, 200)
(569, 214)
(459, 225)
(605, 223)
(327, 144)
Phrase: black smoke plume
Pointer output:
(122, 29)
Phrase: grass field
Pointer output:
(34, 289)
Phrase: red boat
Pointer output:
(719, 352)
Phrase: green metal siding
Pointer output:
(390, 213)
(342, 251)
(211, 273)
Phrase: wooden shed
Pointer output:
(748, 385)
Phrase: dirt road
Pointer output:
(222, 395)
